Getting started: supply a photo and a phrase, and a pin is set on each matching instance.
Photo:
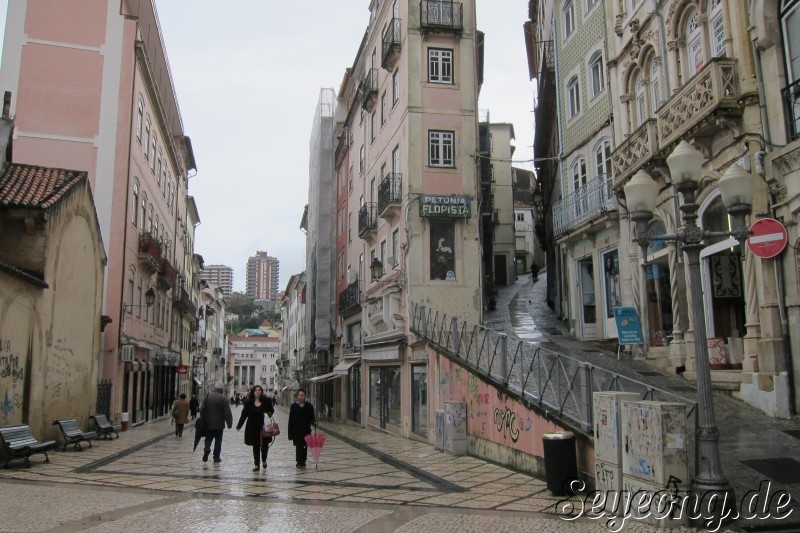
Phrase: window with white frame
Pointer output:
(440, 65)
(139, 119)
(440, 148)
(372, 127)
(602, 159)
(578, 174)
(641, 101)
(395, 247)
(153, 156)
(395, 86)
(568, 16)
(596, 73)
(573, 97)
(655, 95)
(695, 47)
(590, 4)
(135, 217)
(384, 108)
(717, 28)
(361, 159)
(790, 24)
(147, 138)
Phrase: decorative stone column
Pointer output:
(753, 325)
(677, 348)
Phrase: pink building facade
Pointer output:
(93, 92)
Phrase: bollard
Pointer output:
(124, 420)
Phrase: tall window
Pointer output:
(573, 97)
(717, 28)
(654, 90)
(442, 250)
(590, 4)
(131, 278)
(395, 86)
(395, 247)
(641, 101)
(790, 24)
(372, 127)
(147, 138)
(139, 297)
(695, 47)
(578, 174)
(150, 221)
(158, 166)
(440, 148)
(440, 65)
(139, 119)
(384, 108)
(602, 159)
(153, 155)
(143, 211)
(135, 214)
(383, 253)
(361, 159)
(568, 15)
(597, 76)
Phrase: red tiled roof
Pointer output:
(35, 187)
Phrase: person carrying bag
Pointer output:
(252, 418)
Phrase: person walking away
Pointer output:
(180, 413)
(301, 418)
(534, 271)
(255, 407)
(237, 400)
(216, 411)
(194, 405)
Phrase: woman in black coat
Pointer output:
(255, 407)
(301, 418)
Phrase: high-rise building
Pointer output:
(219, 275)
(98, 97)
(263, 272)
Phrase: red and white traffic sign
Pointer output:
(768, 238)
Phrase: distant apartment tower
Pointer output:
(219, 275)
(262, 277)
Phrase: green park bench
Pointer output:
(73, 434)
(19, 442)
(104, 427)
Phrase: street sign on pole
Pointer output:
(768, 238)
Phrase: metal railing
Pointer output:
(390, 41)
(390, 191)
(350, 298)
(559, 384)
(588, 202)
(369, 88)
(367, 218)
(441, 14)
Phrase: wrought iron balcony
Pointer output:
(441, 15)
(166, 275)
(350, 299)
(369, 89)
(367, 218)
(391, 44)
(390, 192)
(149, 251)
(711, 92)
(183, 302)
(545, 62)
(791, 107)
(585, 204)
(635, 151)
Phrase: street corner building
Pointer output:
(52, 264)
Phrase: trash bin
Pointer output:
(560, 462)
(124, 419)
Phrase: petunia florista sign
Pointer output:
(444, 206)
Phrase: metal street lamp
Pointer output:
(736, 187)
(376, 268)
(538, 197)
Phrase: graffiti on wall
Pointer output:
(12, 375)
(63, 372)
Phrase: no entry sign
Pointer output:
(768, 238)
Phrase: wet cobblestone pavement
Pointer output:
(366, 480)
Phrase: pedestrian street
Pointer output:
(366, 480)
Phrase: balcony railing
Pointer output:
(711, 90)
(350, 299)
(391, 44)
(369, 89)
(183, 302)
(635, 151)
(544, 56)
(441, 15)
(791, 107)
(367, 218)
(149, 251)
(581, 206)
(390, 192)
(166, 275)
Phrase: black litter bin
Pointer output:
(560, 462)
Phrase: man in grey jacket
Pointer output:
(216, 411)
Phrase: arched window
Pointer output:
(147, 138)
(641, 100)
(139, 115)
(142, 212)
(158, 173)
(655, 95)
(716, 28)
(573, 97)
(139, 297)
(155, 231)
(578, 173)
(790, 24)
(695, 46)
(135, 213)
(153, 158)
(568, 15)
(602, 159)
(596, 73)
(131, 278)
(150, 220)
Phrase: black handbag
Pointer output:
(200, 423)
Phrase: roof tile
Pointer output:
(35, 187)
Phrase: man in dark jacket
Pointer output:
(301, 418)
(194, 405)
(216, 412)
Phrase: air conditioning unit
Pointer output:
(127, 352)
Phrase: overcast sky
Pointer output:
(248, 75)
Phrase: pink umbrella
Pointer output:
(315, 442)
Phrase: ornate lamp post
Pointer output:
(376, 269)
(736, 186)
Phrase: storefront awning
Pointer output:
(342, 368)
(323, 377)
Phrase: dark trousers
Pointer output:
(179, 430)
(216, 436)
(261, 449)
(301, 452)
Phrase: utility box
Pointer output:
(438, 430)
(655, 463)
(607, 436)
(455, 428)
(654, 442)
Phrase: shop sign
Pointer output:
(629, 328)
(431, 206)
